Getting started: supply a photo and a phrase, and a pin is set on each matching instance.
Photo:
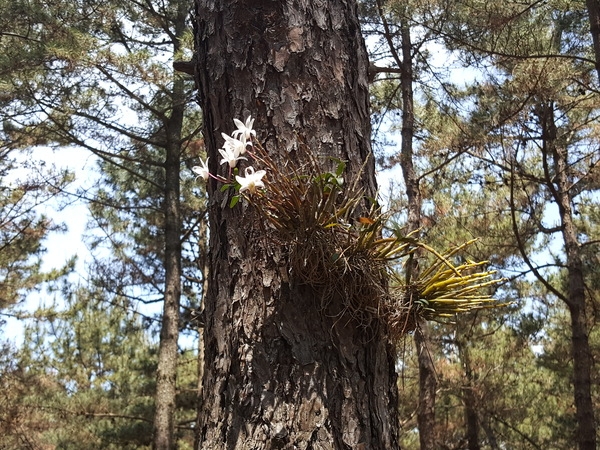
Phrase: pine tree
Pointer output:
(99, 391)
(473, 196)
(535, 125)
(24, 186)
(281, 370)
(109, 88)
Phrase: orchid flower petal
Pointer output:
(202, 171)
(251, 181)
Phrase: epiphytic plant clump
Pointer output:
(343, 249)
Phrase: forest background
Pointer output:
(509, 155)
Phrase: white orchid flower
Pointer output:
(229, 156)
(238, 146)
(202, 170)
(244, 130)
(251, 181)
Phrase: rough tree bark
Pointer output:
(280, 372)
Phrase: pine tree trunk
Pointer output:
(427, 376)
(575, 298)
(469, 400)
(580, 344)
(427, 389)
(593, 7)
(166, 378)
(281, 372)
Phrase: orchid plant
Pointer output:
(241, 141)
(339, 248)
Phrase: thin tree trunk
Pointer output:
(582, 354)
(166, 378)
(593, 7)
(282, 372)
(582, 364)
(427, 389)
(427, 377)
(489, 433)
(469, 398)
(575, 298)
